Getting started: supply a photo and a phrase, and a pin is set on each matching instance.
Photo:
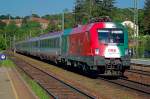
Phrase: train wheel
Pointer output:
(85, 69)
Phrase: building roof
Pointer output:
(40, 20)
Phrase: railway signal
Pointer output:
(2, 57)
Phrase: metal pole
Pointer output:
(14, 39)
(136, 34)
(9, 18)
(63, 21)
(10, 41)
(5, 40)
(134, 18)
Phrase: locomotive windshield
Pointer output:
(111, 36)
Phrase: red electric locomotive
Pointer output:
(96, 48)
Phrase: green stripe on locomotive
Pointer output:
(123, 47)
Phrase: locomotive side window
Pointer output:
(118, 36)
(111, 36)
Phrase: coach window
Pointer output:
(55, 40)
(46, 43)
(49, 43)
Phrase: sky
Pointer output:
(43, 7)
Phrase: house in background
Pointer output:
(132, 26)
(18, 22)
(44, 23)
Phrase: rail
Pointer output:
(141, 62)
(52, 84)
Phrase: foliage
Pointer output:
(147, 17)
(84, 11)
(11, 29)
(8, 63)
(147, 43)
(2, 43)
(6, 17)
(29, 29)
(141, 23)
(2, 25)
(52, 27)
(87, 9)
(35, 15)
(142, 46)
(120, 14)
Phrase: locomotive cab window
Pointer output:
(111, 36)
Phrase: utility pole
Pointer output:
(5, 40)
(136, 34)
(63, 21)
(9, 18)
(14, 39)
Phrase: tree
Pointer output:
(147, 17)
(103, 7)
(79, 9)
(30, 28)
(2, 25)
(51, 27)
(35, 15)
(2, 43)
(87, 9)
(10, 32)
(17, 17)
(6, 16)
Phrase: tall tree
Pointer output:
(35, 15)
(147, 17)
(2, 25)
(86, 9)
(31, 28)
(103, 7)
(79, 9)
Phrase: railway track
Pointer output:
(56, 88)
(130, 84)
(139, 65)
(146, 73)
(143, 88)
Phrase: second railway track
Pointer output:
(130, 84)
(56, 88)
(146, 73)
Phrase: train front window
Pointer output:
(111, 36)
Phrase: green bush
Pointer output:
(2, 43)
(147, 43)
(143, 46)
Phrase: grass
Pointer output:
(41, 93)
(7, 63)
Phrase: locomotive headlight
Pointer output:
(96, 51)
(126, 52)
